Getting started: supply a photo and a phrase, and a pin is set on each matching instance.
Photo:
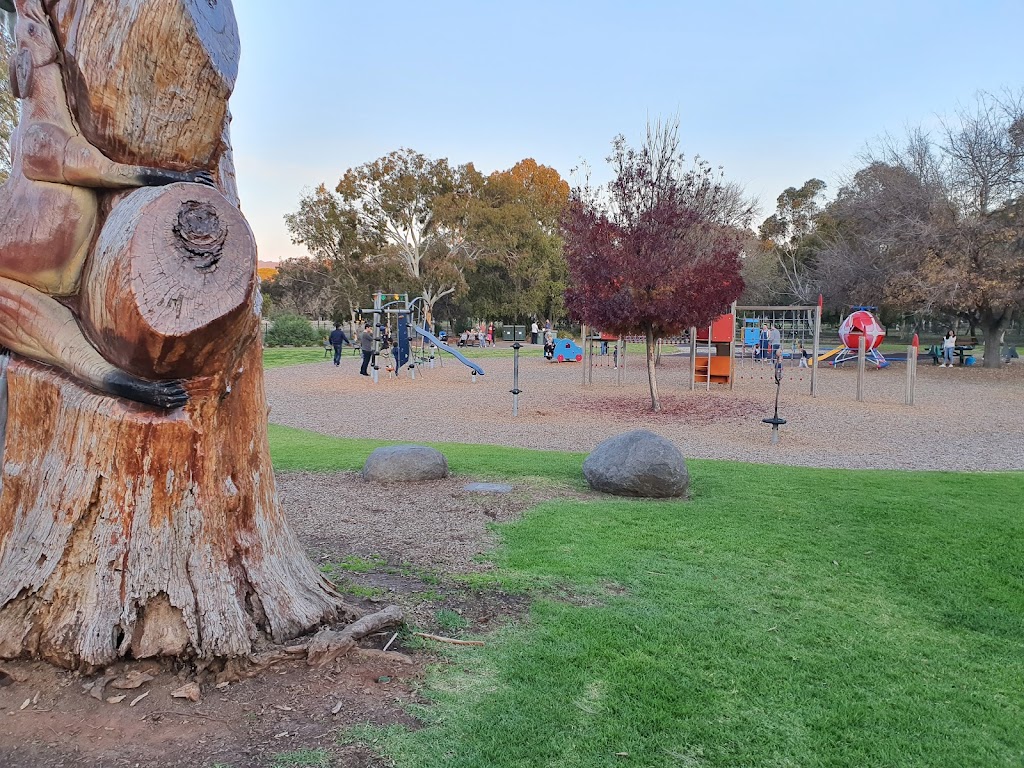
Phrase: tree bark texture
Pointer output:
(178, 58)
(652, 374)
(995, 326)
(127, 530)
(170, 277)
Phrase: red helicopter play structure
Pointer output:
(861, 322)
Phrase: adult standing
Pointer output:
(534, 332)
(774, 340)
(337, 339)
(948, 348)
(366, 347)
(490, 335)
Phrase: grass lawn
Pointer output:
(782, 617)
(275, 357)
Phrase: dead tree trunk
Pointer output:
(127, 530)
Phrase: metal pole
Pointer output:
(861, 365)
(515, 379)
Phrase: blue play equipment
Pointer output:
(445, 348)
(566, 351)
(751, 331)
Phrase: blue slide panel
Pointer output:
(445, 348)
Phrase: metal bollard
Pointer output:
(474, 377)
(412, 371)
(515, 378)
(376, 374)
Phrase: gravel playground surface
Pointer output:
(964, 418)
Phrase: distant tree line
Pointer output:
(930, 225)
(473, 246)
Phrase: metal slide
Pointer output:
(451, 351)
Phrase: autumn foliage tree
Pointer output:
(512, 222)
(657, 250)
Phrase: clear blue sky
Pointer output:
(775, 92)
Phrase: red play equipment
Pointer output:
(861, 322)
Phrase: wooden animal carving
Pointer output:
(127, 281)
(52, 217)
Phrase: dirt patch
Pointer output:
(705, 410)
(394, 544)
(243, 725)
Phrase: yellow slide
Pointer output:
(827, 355)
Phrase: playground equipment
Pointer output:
(861, 322)
(612, 354)
(715, 369)
(775, 421)
(831, 353)
(407, 316)
(798, 333)
(566, 351)
(432, 339)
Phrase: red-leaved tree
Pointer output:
(658, 249)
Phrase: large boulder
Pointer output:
(637, 463)
(405, 464)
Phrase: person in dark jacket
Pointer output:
(366, 346)
(338, 339)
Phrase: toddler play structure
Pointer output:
(396, 321)
(566, 351)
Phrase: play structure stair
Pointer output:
(717, 368)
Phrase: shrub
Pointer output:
(292, 330)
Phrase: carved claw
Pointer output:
(158, 177)
(201, 177)
(163, 394)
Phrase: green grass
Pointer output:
(450, 620)
(304, 758)
(276, 357)
(782, 617)
(356, 564)
(296, 449)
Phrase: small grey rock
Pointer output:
(488, 488)
(405, 464)
(637, 463)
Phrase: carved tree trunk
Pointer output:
(125, 530)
